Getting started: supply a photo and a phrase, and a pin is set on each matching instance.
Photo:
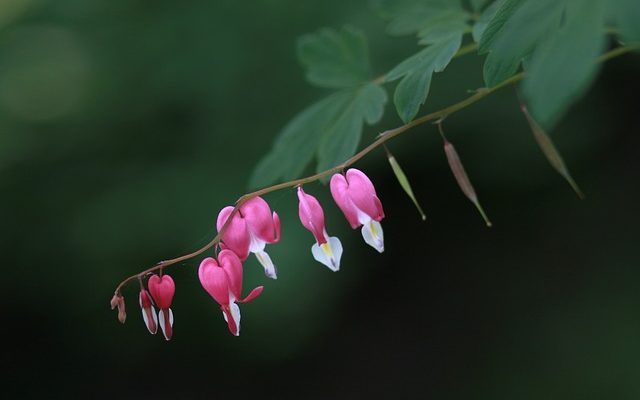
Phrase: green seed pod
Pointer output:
(404, 182)
(462, 178)
(550, 151)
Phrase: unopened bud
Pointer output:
(118, 301)
(115, 300)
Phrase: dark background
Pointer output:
(126, 125)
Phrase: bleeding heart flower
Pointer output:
(162, 290)
(327, 250)
(355, 195)
(222, 279)
(250, 229)
(148, 311)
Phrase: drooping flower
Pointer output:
(148, 311)
(222, 279)
(118, 301)
(355, 195)
(162, 290)
(327, 250)
(250, 229)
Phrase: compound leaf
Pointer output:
(626, 15)
(521, 26)
(298, 141)
(487, 16)
(335, 59)
(341, 137)
(410, 16)
(416, 72)
(562, 69)
(497, 22)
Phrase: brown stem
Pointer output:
(382, 138)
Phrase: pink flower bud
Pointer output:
(250, 229)
(222, 279)
(162, 290)
(327, 250)
(118, 301)
(355, 195)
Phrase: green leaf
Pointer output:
(335, 59)
(487, 16)
(561, 70)
(404, 183)
(442, 29)
(341, 138)
(435, 57)
(332, 128)
(296, 144)
(410, 16)
(477, 5)
(528, 25)
(412, 91)
(495, 25)
(443, 32)
(626, 15)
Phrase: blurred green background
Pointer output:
(126, 125)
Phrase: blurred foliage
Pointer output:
(557, 42)
(126, 125)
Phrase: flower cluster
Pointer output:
(248, 228)
(161, 292)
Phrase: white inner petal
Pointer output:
(235, 314)
(161, 320)
(145, 316)
(269, 269)
(362, 217)
(256, 245)
(162, 323)
(146, 319)
(373, 235)
(328, 253)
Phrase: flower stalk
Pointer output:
(380, 140)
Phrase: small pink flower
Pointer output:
(250, 229)
(355, 195)
(222, 279)
(327, 250)
(148, 311)
(162, 290)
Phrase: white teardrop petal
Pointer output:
(155, 317)
(373, 235)
(153, 329)
(269, 269)
(146, 319)
(235, 314)
(162, 325)
(328, 253)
